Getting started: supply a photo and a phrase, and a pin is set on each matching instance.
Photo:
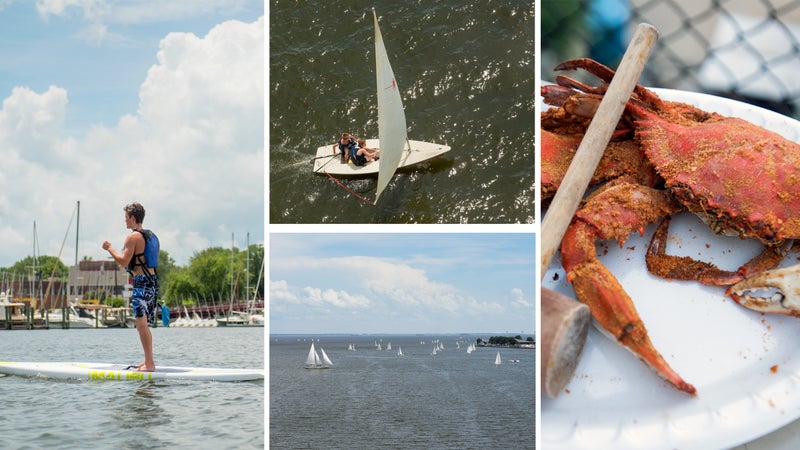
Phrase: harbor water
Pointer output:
(68, 414)
(466, 76)
(376, 399)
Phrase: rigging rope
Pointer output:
(367, 201)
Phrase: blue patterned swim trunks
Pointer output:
(145, 297)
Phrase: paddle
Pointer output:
(564, 321)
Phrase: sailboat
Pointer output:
(313, 361)
(399, 351)
(497, 360)
(396, 150)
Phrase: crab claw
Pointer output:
(614, 212)
(781, 291)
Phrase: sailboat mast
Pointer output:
(232, 271)
(247, 276)
(77, 232)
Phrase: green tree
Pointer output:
(166, 267)
(44, 267)
(180, 287)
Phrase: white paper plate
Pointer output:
(745, 365)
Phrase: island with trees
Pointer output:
(507, 342)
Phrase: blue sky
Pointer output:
(108, 102)
(402, 283)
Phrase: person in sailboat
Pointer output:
(145, 281)
(371, 154)
(347, 146)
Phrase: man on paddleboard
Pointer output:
(145, 281)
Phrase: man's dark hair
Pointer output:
(136, 210)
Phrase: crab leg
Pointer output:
(671, 267)
(781, 285)
(613, 213)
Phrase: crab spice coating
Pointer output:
(737, 177)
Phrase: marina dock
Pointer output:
(21, 316)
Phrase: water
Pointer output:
(373, 399)
(43, 413)
(466, 76)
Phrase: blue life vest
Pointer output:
(357, 159)
(151, 248)
(347, 149)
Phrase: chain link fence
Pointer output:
(748, 50)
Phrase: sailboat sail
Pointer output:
(313, 359)
(325, 360)
(497, 360)
(391, 117)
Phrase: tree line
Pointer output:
(503, 341)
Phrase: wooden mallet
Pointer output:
(564, 321)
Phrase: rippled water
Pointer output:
(466, 75)
(375, 399)
(44, 413)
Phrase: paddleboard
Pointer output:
(119, 372)
(327, 161)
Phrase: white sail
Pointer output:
(312, 361)
(391, 117)
(325, 360)
(399, 351)
(497, 360)
(389, 347)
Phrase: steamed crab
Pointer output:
(739, 178)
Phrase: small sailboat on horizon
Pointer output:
(313, 360)
(497, 360)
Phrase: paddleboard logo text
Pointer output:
(116, 375)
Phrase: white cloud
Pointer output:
(397, 285)
(91, 9)
(98, 14)
(192, 154)
(30, 122)
(340, 299)
(142, 11)
(518, 299)
(281, 292)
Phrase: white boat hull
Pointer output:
(328, 162)
(118, 372)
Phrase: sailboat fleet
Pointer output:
(320, 360)
(396, 150)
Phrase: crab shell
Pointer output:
(739, 178)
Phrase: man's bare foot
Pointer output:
(142, 368)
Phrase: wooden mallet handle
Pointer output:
(564, 321)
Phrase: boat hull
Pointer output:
(327, 162)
